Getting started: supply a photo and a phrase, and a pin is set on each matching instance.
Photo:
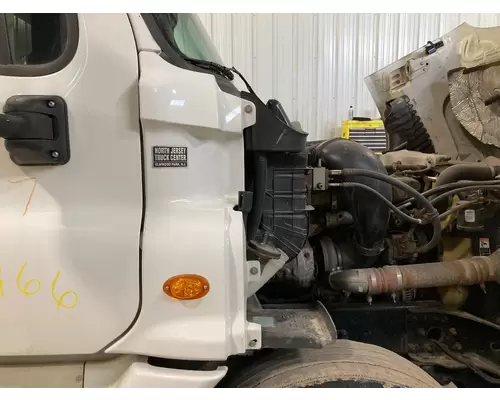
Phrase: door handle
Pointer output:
(22, 125)
(35, 129)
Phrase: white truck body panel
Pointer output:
(80, 222)
(143, 375)
(188, 208)
(77, 275)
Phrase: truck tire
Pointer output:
(344, 364)
(402, 124)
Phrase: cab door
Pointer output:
(70, 182)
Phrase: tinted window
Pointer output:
(186, 34)
(34, 39)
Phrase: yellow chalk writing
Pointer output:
(60, 300)
(33, 286)
(25, 289)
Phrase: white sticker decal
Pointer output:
(470, 216)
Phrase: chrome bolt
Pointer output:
(254, 270)
(51, 104)
(248, 108)
(55, 154)
(253, 343)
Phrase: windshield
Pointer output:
(187, 33)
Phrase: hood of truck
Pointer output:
(448, 82)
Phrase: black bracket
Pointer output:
(35, 129)
(245, 202)
(431, 47)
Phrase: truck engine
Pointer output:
(359, 227)
(397, 227)
(401, 247)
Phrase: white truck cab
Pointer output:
(98, 220)
(124, 207)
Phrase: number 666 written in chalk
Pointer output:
(30, 287)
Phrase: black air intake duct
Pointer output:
(370, 214)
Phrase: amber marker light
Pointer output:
(186, 287)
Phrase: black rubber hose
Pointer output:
(446, 195)
(456, 208)
(433, 213)
(403, 125)
(387, 202)
(392, 181)
(462, 172)
(259, 194)
(448, 186)
(436, 237)
(454, 185)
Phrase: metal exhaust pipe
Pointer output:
(390, 279)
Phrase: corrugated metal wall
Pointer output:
(315, 63)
